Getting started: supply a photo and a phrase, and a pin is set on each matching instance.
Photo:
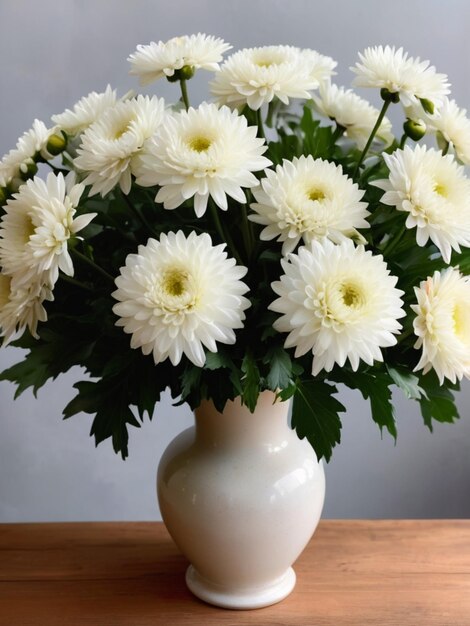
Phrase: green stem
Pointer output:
(224, 235)
(338, 132)
(247, 232)
(259, 119)
(405, 334)
(139, 215)
(56, 170)
(385, 106)
(92, 264)
(273, 108)
(393, 241)
(403, 139)
(73, 281)
(216, 218)
(184, 93)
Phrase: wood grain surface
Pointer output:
(353, 573)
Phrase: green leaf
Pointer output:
(438, 403)
(317, 140)
(250, 381)
(280, 368)
(28, 373)
(462, 261)
(190, 380)
(271, 256)
(217, 360)
(48, 357)
(308, 125)
(315, 416)
(109, 401)
(406, 381)
(374, 386)
(288, 392)
(235, 379)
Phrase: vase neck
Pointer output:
(235, 426)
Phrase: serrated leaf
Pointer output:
(280, 368)
(217, 360)
(85, 401)
(308, 125)
(28, 373)
(374, 386)
(235, 379)
(315, 415)
(48, 357)
(110, 403)
(190, 379)
(250, 381)
(438, 403)
(406, 381)
(288, 392)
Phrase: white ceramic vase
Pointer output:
(241, 495)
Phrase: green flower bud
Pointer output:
(442, 142)
(389, 96)
(185, 73)
(414, 129)
(427, 105)
(56, 144)
(28, 169)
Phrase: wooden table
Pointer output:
(357, 573)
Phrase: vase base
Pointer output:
(240, 599)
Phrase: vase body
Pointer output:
(241, 496)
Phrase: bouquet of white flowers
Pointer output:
(243, 245)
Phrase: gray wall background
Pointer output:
(54, 52)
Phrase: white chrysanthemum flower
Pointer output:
(21, 307)
(434, 191)
(320, 67)
(114, 140)
(202, 152)
(454, 125)
(338, 301)
(86, 111)
(442, 324)
(308, 199)
(157, 60)
(36, 227)
(357, 116)
(254, 76)
(393, 70)
(16, 164)
(179, 294)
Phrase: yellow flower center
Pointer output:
(199, 143)
(340, 302)
(441, 189)
(120, 127)
(173, 294)
(175, 282)
(352, 295)
(119, 133)
(461, 317)
(316, 194)
(268, 58)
